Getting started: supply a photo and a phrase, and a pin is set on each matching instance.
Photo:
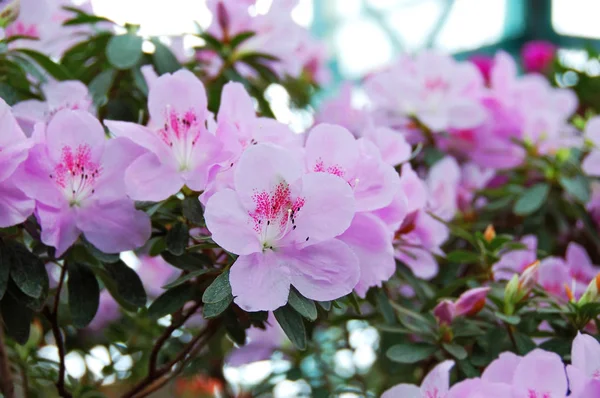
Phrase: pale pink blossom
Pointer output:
(435, 385)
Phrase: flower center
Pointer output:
(275, 214)
(76, 173)
(181, 133)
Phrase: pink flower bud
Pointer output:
(444, 312)
(537, 56)
(484, 63)
(471, 302)
(528, 279)
(223, 18)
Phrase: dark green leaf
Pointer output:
(100, 255)
(240, 38)
(124, 51)
(27, 271)
(383, 303)
(177, 239)
(188, 261)
(85, 19)
(510, 319)
(100, 86)
(192, 210)
(163, 59)
(524, 343)
(17, 319)
(212, 310)
(559, 345)
(171, 300)
(219, 290)
(302, 305)
(326, 305)
(127, 283)
(463, 257)
(4, 269)
(455, 350)
(184, 278)
(234, 328)
(410, 353)
(578, 187)
(211, 41)
(293, 326)
(532, 199)
(55, 70)
(84, 294)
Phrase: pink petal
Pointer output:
(181, 91)
(553, 274)
(478, 388)
(577, 379)
(437, 381)
(413, 187)
(325, 271)
(205, 154)
(229, 224)
(502, 370)
(15, 206)
(465, 114)
(591, 390)
(30, 112)
(585, 355)
(149, 179)
(371, 241)
(260, 282)
(592, 130)
(261, 168)
(140, 135)
(236, 104)
(74, 128)
(591, 164)
(59, 228)
(421, 262)
(328, 209)
(332, 149)
(543, 372)
(392, 144)
(402, 390)
(13, 143)
(394, 213)
(114, 227)
(581, 266)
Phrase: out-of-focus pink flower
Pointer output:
(585, 362)
(108, 312)
(260, 344)
(478, 388)
(155, 273)
(484, 63)
(537, 56)
(473, 178)
(591, 164)
(581, 268)
(515, 261)
(539, 374)
(71, 94)
(282, 224)
(76, 178)
(439, 91)
(436, 384)
(15, 206)
(445, 312)
(340, 111)
(443, 181)
(180, 148)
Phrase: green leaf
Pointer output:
(127, 284)
(326, 305)
(293, 326)
(187, 261)
(171, 300)
(240, 38)
(578, 187)
(124, 51)
(85, 19)
(4, 270)
(192, 210)
(219, 290)
(212, 310)
(524, 343)
(100, 86)
(455, 350)
(302, 305)
(454, 229)
(235, 330)
(177, 239)
(463, 257)
(510, 319)
(163, 58)
(532, 199)
(383, 303)
(17, 319)
(184, 278)
(28, 271)
(55, 70)
(211, 41)
(410, 353)
(84, 294)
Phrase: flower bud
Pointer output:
(444, 312)
(591, 293)
(528, 279)
(9, 11)
(538, 55)
(223, 18)
(471, 302)
(489, 234)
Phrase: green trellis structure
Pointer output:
(526, 20)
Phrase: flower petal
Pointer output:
(502, 369)
(402, 390)
(437, 381)
(543, 372)
(15, 206)
(59, 227)
(149, 179)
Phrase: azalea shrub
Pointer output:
(166, 229)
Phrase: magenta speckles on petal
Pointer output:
(20, 29)
(76, 173)
(333, 169)
(535, 394)
(433, 393)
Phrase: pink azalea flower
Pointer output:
(375, 183)
(442, 181)
(581, 268)
(468, 304)
(108, 312)
(439, 91)
(585, 362)
(515, 261)
(282, 224)
(15, 206)
(340, 111)
(591, 390)
(539, 374)
(591, 164)
(435, 385)
(260, 344)
(473, 179)
(70, 94)
(75, 176)
(537, 56)
(155, 273)
(478, 388)
(180, 148)
(394, 148)
(484, 63)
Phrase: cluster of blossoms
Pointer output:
(539, 374)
